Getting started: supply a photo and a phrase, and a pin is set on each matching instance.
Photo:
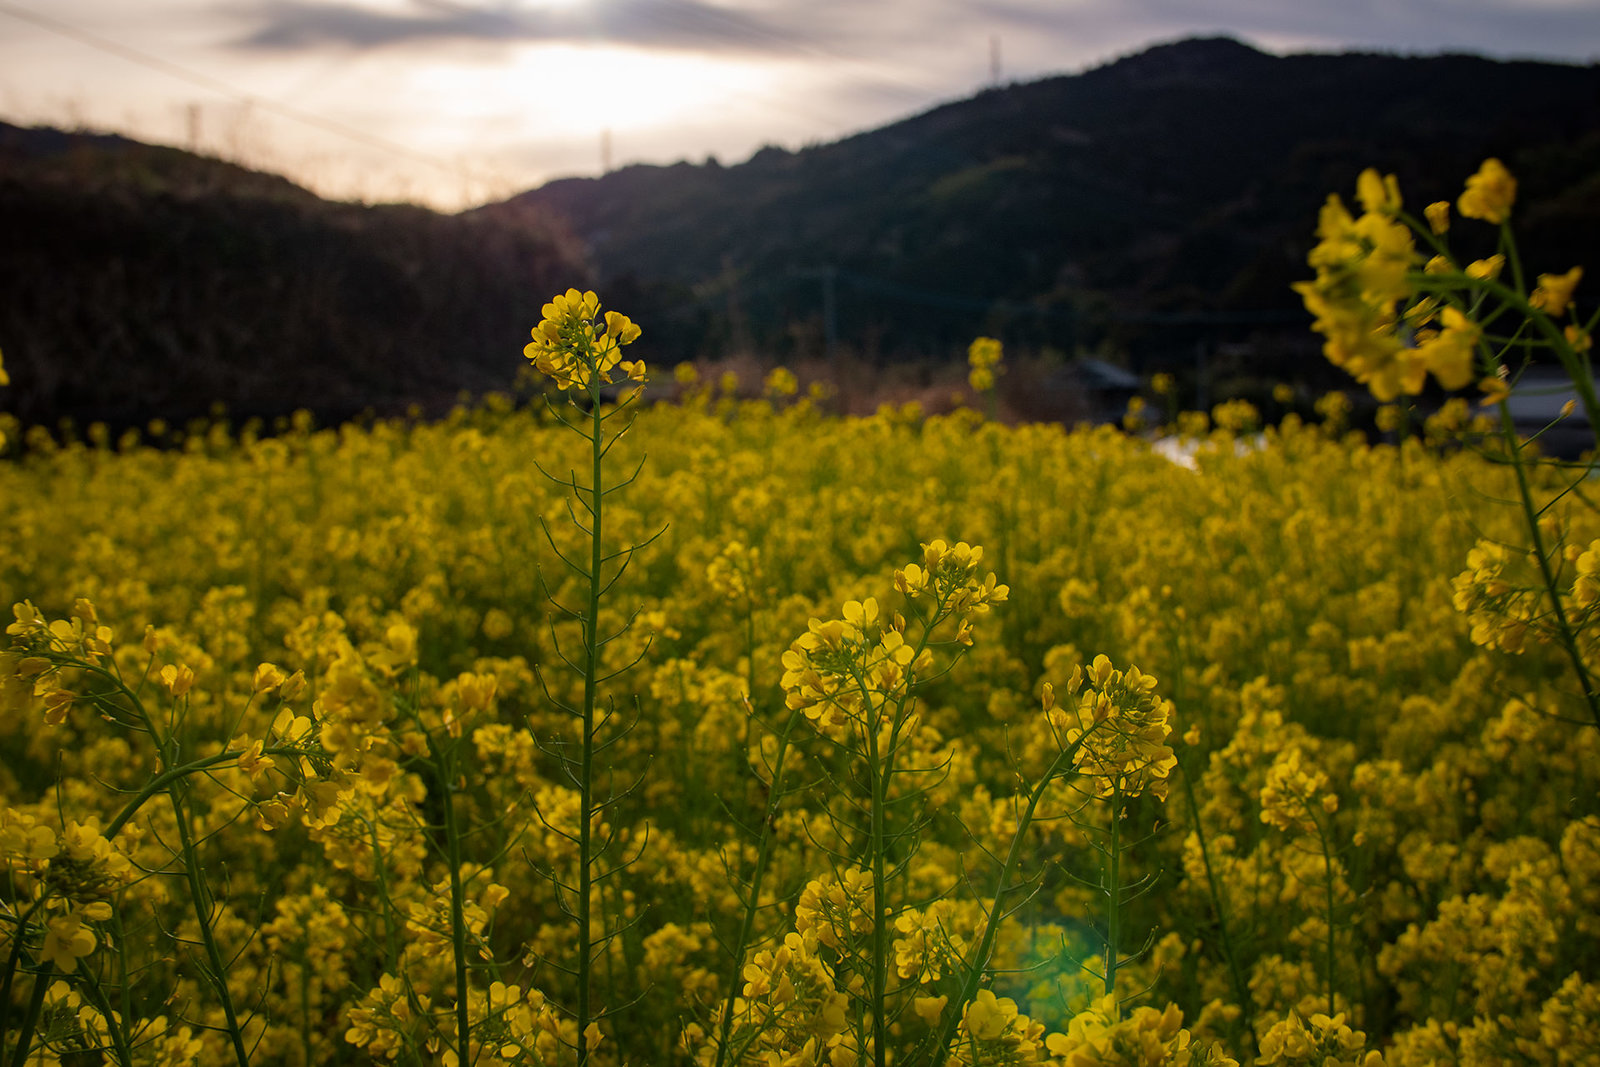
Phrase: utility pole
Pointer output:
(830, 313)
(994, 59)
(605, 151)
(738, 330)
(830, 317)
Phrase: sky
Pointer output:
(454, 103)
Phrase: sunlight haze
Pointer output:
(455, 102)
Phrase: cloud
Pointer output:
(694, 25)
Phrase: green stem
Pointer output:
(750, 670)
(1327, 863)
(591, 671)
(161, 781)
(171, 780)
(880, 769)
(991, 930)
(124, 987)
(1582, 382)
(880, 894)
(1113, 889)
(753, 905)
(1241, 991)
(1530, 515)
(119, 1040)
(391, 936)
(41, 983)
(305, 1007)
(1327, 867)
(200, 897)
(167, 779)
(458, 920)
(14, 961)
(1400, 518)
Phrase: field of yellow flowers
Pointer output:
(731, 732)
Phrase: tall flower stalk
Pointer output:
(1394, 316)
(581, 352)
(82, 871)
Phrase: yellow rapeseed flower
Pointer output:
(178, 679)
(1449, 352)
(1362, 266)
(1378, 193)
(1438, 216)
(1292, 791)
(1579, 338)
(983, 356)
(268, 676)
(1489, 193)
(1486, 270)
(252, 761)
(1494, 389)
(575, 347)
(66, 942)
(780, 382)
(1554, 294)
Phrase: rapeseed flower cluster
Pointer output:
(1121, 727)
(297, 651)
(1362, 264)
(983, 361)
(578, 349)
(1326, 1042)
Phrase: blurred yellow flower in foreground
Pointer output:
(1489, 193)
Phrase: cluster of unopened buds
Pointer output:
(72, 875)
(1120, 727)
(948, 577)
(842, 669)
(1293, 793)
(983, 357)
(577, 348)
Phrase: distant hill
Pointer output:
(139, 281)
(1154, 210)
(1164, 198)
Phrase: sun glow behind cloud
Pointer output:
(562, 90)
(455, 101)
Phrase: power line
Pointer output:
(205, 81)
(754, 30)
(741, 27)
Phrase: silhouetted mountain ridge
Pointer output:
(1149, 206)
(1181, 181)
(137, 280)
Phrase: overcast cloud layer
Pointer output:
(673, 24)
(455, 101)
